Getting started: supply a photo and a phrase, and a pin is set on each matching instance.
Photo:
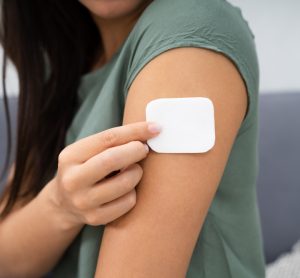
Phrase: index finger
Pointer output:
(89, 146)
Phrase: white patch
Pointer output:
(188, 124)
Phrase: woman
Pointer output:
(87, 69)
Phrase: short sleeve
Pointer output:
(211, 24)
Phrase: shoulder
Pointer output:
(214, 24)
(210, 24)
(193, 14)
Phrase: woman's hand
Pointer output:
(84, 188)
(83, 191)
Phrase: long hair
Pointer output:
(51, 43)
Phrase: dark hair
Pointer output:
(51, 43)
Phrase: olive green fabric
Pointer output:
(230, 242)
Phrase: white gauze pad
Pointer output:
(188, 124)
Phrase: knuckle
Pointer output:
(109, 137)
(139, 169)
(139, 145)
(137, 172)
(105, 220)
(91, 219)
(65, 156)
(93, 199)
(62, 157)
(126, 181)
(94, 202)
(107, 161)
(79, 203)
(67, 181)
(131, 198)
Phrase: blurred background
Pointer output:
(276, 26)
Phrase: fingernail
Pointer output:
(154, 127)
(146, 147)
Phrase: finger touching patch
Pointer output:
(188, 124)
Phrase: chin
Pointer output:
(112, 9)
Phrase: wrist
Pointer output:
(64, 220)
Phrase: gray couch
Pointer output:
(279, 171)
(279, 176)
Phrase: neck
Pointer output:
(114, 32)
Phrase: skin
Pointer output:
(137, 205)
(152, 229)
(79, 194)
(114, 19)
(176, 190)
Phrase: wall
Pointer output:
(276, 25)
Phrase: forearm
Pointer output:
(33, 238)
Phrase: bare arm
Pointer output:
(157, 237)
(34, 235)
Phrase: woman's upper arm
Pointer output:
(157, 237)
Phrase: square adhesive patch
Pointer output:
(188, 124)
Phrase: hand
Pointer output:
(86, 186)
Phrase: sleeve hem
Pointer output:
(238, 62)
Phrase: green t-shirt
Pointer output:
(230, 242)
